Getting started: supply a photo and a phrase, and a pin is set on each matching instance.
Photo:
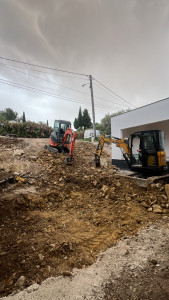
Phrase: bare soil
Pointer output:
(56, 217)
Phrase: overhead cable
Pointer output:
(48, 93)
(113, 92)
(40, 66)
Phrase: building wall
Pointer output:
(153, 116)
(89, 133)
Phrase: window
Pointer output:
(56, 126)
(161, 141)
(64, 127)
(148, 141)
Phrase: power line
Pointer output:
(64, 71)
(113, 92)
(47, 93)
(45, 72)
(100, 87)
(42, 79)
(11, 68)
(43, 67)
(37, 89)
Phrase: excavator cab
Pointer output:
(60, 128)
(56, 139)
(147, 151)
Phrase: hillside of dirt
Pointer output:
(55, 217)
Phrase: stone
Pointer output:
(128, 198)
(23, 262)
(112, 190)
(164, 197)
(157, 209)
(34, 158)
(41, 257)
(32, 181)
(33, 287)
(20, 201)
(158, 185)
(167, 190)
(118, 184)
(144, 204)
(21, 281)
(18, 152)
(150, 209)
(104, 188)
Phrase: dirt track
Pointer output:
(61, 217)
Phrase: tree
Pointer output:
(2, 116)
(105, 125)
(23, 118)
(86, 119)
(80, 119)
(83, 120)
(98, 126)
(75, 123)
(8, 114)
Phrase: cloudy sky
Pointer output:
(123, 44)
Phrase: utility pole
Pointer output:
(93, 110)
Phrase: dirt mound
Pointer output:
(62, 216)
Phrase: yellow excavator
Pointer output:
(143, 151)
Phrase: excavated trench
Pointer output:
(60, 217)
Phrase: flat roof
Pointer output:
(165, 99)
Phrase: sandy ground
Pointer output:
(82, 226)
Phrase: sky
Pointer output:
(123, 44)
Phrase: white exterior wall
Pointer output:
(153, 116)
(89, 133)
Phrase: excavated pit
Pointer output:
(61, 216)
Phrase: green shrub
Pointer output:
(27, 129)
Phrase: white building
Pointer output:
(90, 133)
(151, 116)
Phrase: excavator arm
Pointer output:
(121, 143)
(69, 133)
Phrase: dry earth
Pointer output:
(62, 216)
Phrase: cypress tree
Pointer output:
(80, 119)
(86, 119)
(23, 118)
(75, 123)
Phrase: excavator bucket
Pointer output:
(68, 160)
(51, 149)
(97, 161)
